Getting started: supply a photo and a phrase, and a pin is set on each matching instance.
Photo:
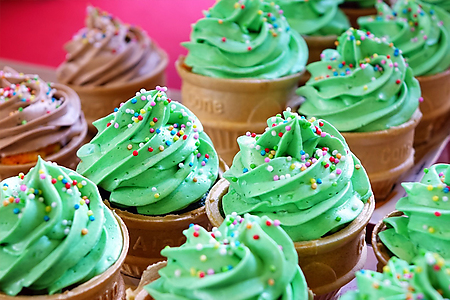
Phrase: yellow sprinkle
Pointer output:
(152, 123)
(90, 213)
(192, 272)
(41, 171)
(48, 209)
(5, 188)
(292, 167)
(270, 156)
(430, 187)
(195, 126)
(435, 198)
(129, 147)
(142, 111)
(260, 12)
(60, 177)
(31, 190)
(312, 119)
(203, 257)
(313, 180)
(216, 245)
(431, 230)
(175, 138)
(136, 120)
(419, 270)
(365, 87)
(79, 185)
(82, 202)
(386, 269)
(181, 132)
(156, 195)
(375, 55)
(358, 42)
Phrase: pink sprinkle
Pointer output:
(363, 38)
(210, 272)
(421, 99)
(198, 155)
(338, 171)
(314, 160)
(87, 201)
(288, 128)
(425, 37)
(275, 178)
(152, 130)
(323, 134)
(153, 103)
(203, 163)
(42, 176)
(276, 223)
(195, 129)
(23, 188)
(307, 164)
(395, 64)
(383, 62)
(266, 159)
(196, 136)
(391, 65)
(143, 98)
(196, 227)
(116, 125)
(322, 55)
(121, 104)
(441, 174)
(363, 66)
(336, 161)
(17, 200)
(247, 133)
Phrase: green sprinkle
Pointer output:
(425, 170)
(20, 109)
(24, 122)
(275, 148)
(234, 179)
(252, 166)
(338, 218)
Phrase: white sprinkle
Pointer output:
(31, 196)
(199, 247)
(54, 204)
(269, 168)
(154, 189)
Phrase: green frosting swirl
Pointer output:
(245, 39)
(445, 4)
(362, 86)
(421, 31)
(315, 17)
(151, 154)
(300, 172)
(361, 3)
(428, 278)
(427, 212)
(246, 258)
(55, 231)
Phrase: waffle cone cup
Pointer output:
(385, 154)
(150, 275)
(328, 263)
(316, 44)
(354, 13)
(435, 123)
(106, 286)
(100, 101)
(228, 108)
(381, 251)
(66, 156)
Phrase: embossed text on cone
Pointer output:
(99, 101)
(385, 154)
(106, 286)
(329, 262)
(435, 109)
(228, 108)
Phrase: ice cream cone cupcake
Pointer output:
(243, 65)
(108, 61)
(426, 277)
(365, 89)
(320, 194)
(420, 220)
(37, 119)
(354, 9)
(423, 42)
(157, 164)
(58, 241)
(232, 265)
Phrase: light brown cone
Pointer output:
(354, 13)
(435, 108)
(66, 156)
(381, 251)
(106, 286)
(228, 108)
(328, 263)
(385, 154)
(99, 101)
(316, 44)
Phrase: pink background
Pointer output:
(35, 31)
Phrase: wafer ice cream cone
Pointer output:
(354, 13)
(381, 252)
(316, 45)
(149, 275)
(329, 262)
(385, 154)
(435, 109)
(108, 285)
(228, 108)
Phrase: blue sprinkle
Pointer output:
(92, 218)
(347, 70)
(16, 211)
(343, 74)
(431, 12)
(168, 143)
(173, 132)
(404, 11)
(363, 271)
(319, 181)
(245, 170)
(116, 109)
(352, 38)
(340, 65)
(64, 181)
(46, 218)
(76, 206)
(136, 114)
(230, 267)
(302, 152)
(191, 164)
(232, 234)
(36, 191)
(133, 100)
(205, 160)
(394, 13)
(273, 18)
(379, 18)
(263, 152)
(275, 25)
(158, 130)
(288, 28)
(5, 184)
(446, 190)
(237, 243)
(190, 225)
(335, 73)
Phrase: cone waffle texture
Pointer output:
(228, 108)
(108, 285)
(385, 154)
(328, 263)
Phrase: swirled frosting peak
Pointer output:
(36, 115)
(245, 39)
(428, 278)
(245, 258)
(445, 4)
(420, 30)
(364, 85)
(55, 231)
(300, 172)
(427, 215)
(315, 17)
(107, 51)
(151, 153)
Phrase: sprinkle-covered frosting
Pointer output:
(364, 85)
(106, 52)
(151, 153)
(420, 30)
(245, 258)
(428, 278)
(315, 17)
(445, 4)
(35, 114)
(427, 216)
(55, 231)
(300, 172)
(245, 39)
